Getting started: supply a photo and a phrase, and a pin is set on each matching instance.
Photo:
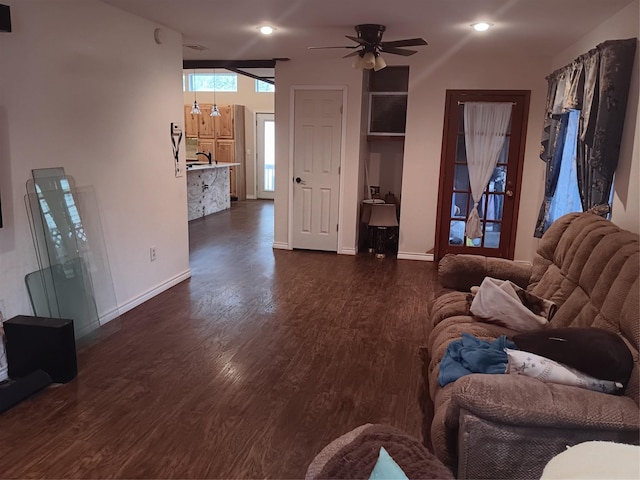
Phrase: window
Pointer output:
(567, 198)
(209, 82)
(264, 87)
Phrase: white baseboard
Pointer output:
(251, 197)
(281, 246)
(348, 251)
(424, 257)
(149, 294)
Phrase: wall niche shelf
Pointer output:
(385, 138)
(388, 94)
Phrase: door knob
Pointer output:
(509, 193)
(300, 181)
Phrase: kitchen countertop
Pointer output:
(206, 166)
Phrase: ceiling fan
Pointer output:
(370, 46)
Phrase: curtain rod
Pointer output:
(512, 103)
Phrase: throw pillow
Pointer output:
(532, 365)
(593, 351)
(386, 468)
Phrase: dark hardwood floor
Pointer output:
(247, 370)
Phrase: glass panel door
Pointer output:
(266, 175)
(498, 206)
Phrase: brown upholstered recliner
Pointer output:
(509, 426)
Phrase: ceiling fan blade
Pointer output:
(352, 54)
(408, 42)
(319, 48)
(399, 51)
(361, 41)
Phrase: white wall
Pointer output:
(84, 86)
(429, 79)
(626, 200)
(254, 102)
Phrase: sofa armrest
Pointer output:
(510, 426)
(493, 450)
(529, 402)
(461, 272)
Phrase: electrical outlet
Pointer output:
(152, 253)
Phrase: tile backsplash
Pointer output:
(191, 145)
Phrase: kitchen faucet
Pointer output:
(208, 155)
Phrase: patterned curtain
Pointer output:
(597, 84)
(557, 134)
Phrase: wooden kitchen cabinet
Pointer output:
(190, 122)
(224, 137)
(206, 122)
(199, 125)
(225, 151)
(224, 123)
(206, 146)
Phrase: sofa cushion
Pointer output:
(594, 351)
(449, 304)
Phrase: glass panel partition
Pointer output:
(74, 277)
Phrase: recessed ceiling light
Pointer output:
(481, 26)
(266, 30)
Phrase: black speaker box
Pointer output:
(13, 392)
(5, 18)
(41, 343)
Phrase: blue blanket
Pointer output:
(472, 355)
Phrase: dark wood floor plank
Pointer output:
(247, 370)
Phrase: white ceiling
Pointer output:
(228, 28)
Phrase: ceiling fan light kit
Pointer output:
(368, 60)
(370, 46)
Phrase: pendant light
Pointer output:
(214, 111)
(195, 110)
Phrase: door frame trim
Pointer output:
(343, 149)
(521, 153)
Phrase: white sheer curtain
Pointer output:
(485, 129)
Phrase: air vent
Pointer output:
(195, 46)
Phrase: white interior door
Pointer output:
(316, 168)
(266, 158)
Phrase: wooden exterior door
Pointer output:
(498, 207)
